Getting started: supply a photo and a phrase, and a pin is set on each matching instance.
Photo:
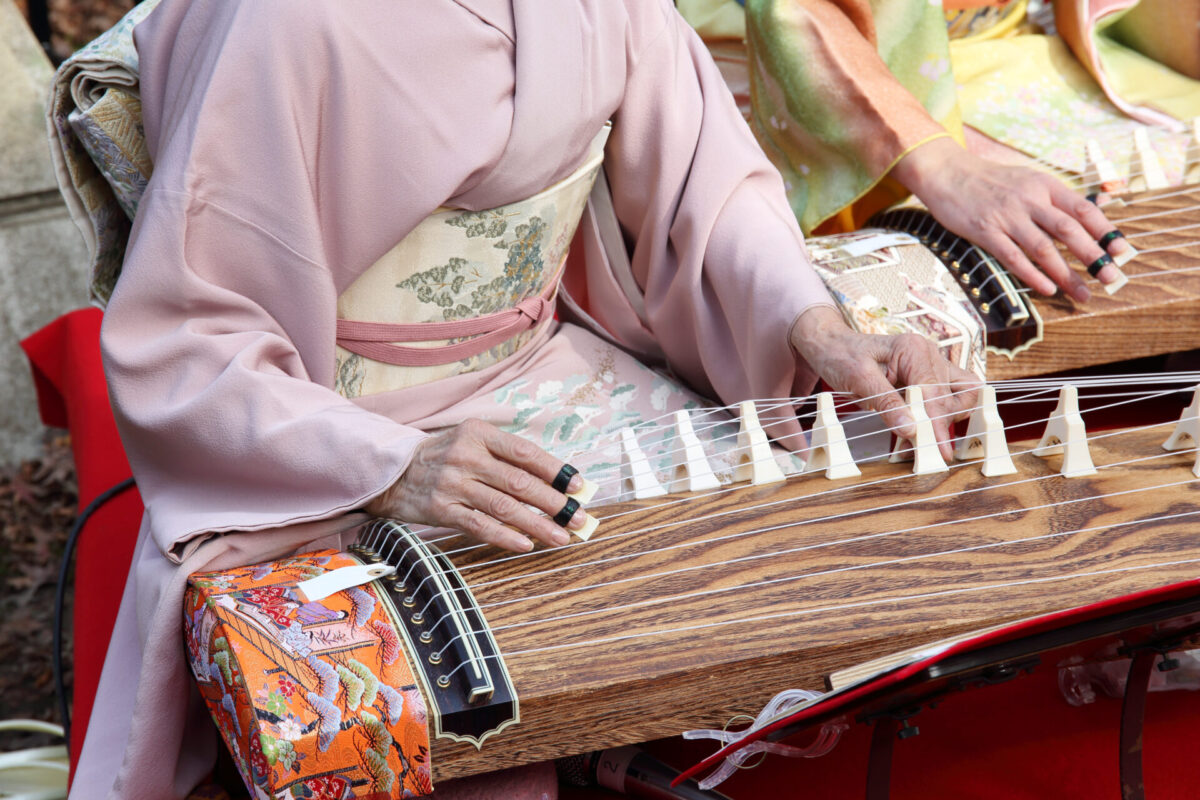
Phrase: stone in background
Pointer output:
(42, 256)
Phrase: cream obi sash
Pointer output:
(462, 291)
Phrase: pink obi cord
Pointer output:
(374, 339)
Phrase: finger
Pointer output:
(918, 363)
(955, 403)
(1009, 254)
(507, 509)
(949, 392)
(965, 388)
(962, 399)
(1086, 213)
(1104, 269)
(567, 478)
(523, 453)
(1066, 229)
(480, 526)
(868, 381)
(1097, 229)
(939, 407)
(519, 468)
(1114, 242)
(1041, 249)
(524, 486)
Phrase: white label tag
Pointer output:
(877, 242)
(342, 578)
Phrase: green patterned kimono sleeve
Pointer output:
(842, 89)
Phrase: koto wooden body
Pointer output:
(1152, 315)
(690, 649)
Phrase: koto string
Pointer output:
(1120, 143)
(811, 546)
(791, 524)
(1038, 388)
(1150, 273)
(843, 607)
(1032, 396)
(821, 546)
(1141, 197)
(1162, 194)
(1023, 540)
(1160, 273)
(1176, 229)
(765, 408)
(1143, 275)
(1134, 379)
(601, 498)
(1166, 271)
(797, 452)
(1148, 197)
(924, 227)
(1001, 386)
(833, 570)
(772, 403)
(1089, 178)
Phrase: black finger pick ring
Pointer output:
(563, 517)
(563, 479)
(1099, 264)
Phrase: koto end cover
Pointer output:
(313, 699)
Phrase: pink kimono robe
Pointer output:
(294, 143)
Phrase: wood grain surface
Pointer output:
(685, 611)
(1155, 313)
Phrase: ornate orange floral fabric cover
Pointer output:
(313, 699)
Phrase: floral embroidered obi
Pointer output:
(462, 291)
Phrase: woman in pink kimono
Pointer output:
(312, 160)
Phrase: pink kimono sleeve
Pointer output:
(717, 253)
(226, 425)
(218, 341)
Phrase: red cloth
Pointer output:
(65, 359)
(1014, 741)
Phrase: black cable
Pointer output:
(39, 20)
(60, 593)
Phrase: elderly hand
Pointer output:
(1013, 212)
(474, 477)
(872, 366)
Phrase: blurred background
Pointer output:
(42, 262)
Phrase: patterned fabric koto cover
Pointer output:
(313, 699)
(889, 284)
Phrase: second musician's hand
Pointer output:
(1015, 213)
(872, 366)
